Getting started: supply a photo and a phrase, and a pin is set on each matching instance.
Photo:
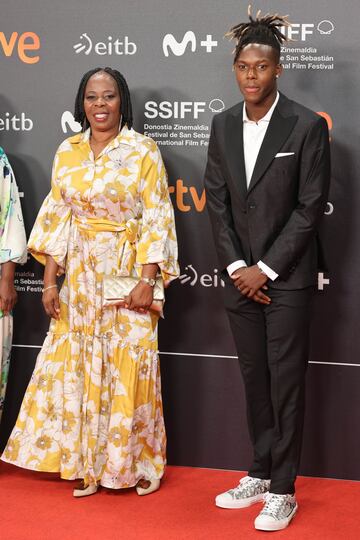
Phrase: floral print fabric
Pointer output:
(93, 407)
(12, 248)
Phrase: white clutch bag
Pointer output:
(116, 288)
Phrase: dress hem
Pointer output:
(102, 484)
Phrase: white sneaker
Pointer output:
(249, 491)
(277, 513)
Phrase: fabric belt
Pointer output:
(130, 229)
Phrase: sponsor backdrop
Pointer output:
(178, 67)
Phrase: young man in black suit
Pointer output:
(266, 181)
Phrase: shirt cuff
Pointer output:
(235, 266)
(270, 273)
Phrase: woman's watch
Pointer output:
(150, 281)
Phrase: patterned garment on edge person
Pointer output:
(12, 248)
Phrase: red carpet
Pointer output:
(37, 506)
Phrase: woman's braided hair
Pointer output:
(125, 106)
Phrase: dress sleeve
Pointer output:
(12, 230)
(157, 241)
(50, 233)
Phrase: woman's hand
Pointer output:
(8, 295)
(50, 298)
(140, 298)
(51, 303)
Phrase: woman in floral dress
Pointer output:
(12, 251)
(93, 407)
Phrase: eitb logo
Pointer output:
(192, 277)
(15, 122)
(109, 46)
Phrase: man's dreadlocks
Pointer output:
(264, 30)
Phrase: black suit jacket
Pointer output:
(275, 220)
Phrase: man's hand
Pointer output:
(249, 281)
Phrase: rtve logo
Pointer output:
(187, 198)
(181, 109)
(108, 47)
(20, 45)
(301, 31)
(178, 48)
(327, 117)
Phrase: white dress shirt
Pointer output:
(253, 135)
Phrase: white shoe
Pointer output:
(153, 486)
(277, 513)
(249, 491)
(85, 491)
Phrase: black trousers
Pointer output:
(272, 343)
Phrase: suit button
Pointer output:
(252, 206)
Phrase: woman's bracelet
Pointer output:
(49, 287)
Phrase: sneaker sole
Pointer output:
(240, 503)
(279, 526)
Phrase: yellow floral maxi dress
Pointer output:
(93, 407)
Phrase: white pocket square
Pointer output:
(283, 154)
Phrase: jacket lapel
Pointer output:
(235, 150)
(279, 129)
